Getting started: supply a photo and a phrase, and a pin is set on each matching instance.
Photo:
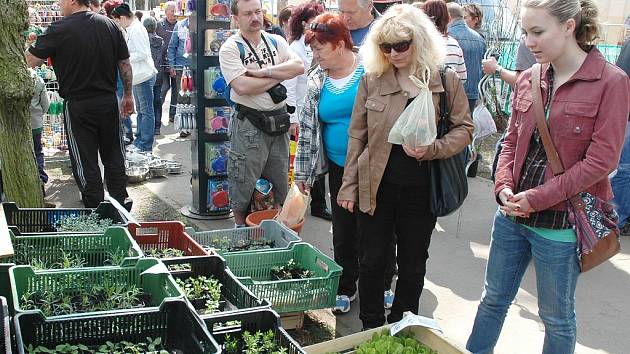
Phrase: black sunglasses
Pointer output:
(399, 47)
(319, 27)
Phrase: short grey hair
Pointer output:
(455, 10)
(150, 24)
(168, 4)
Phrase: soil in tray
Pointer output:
(291, 270)
(99, 298)
(227, 245)
(167, 253)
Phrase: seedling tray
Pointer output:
(252, 321)
(148, 274)
(5, 333)
(46, 220)
(94, 249)
(175, 322)
(165, 234)
(319, 291)
(271, 230)
(234, 294)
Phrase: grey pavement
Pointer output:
(455, 269)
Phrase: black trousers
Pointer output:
(318, 194)
(405, 211)
(345, 238)
(93, 127)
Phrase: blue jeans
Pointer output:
(145, 125)
(621, 182)
(39, 156)
(512, 247)
(157, 106)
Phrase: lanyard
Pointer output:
(256, 55)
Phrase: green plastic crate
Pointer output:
(254, 271)
(94, 249)
(282, 236)
(156, 282)
(175, 322)
(45, 220)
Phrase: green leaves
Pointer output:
(202, 288)
(151, 346)
(78, 223)
(291, 270)
(401, 343)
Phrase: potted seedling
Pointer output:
(203, 292)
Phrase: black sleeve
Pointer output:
(123, 51)
(46, 44)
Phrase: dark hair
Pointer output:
(334, 31)
(437, 11)
(122, 10)
(84, 2)
(139, 14)
(303, 13)
(285, 14)
(234, 6)
(110, 5)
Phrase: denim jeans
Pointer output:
(169, 83)
(512, 247)
(39, 156)
(621, 182)
(157, 106)
(145, 119)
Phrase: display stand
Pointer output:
(209, 26)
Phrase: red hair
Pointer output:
(337, 31)
(438, 12)
(110, 5)
(303, 13)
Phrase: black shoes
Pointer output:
(184, 134)
(322, 213)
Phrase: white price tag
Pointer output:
(411, 320)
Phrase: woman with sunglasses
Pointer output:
(323, 139)
(390, 183)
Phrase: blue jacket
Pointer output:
(474, 48)
(175, 52)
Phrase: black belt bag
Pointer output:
(273, 123)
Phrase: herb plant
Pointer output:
(100, 298)
(84, 223)
(226, 244)
(151, 346)
(202, 288)
(291, 270)
(166, 253)
(257, 343)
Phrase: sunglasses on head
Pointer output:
(399, 47)
(319, 27)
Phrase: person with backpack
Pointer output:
(386, 184)
(254, 64)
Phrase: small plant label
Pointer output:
(410, 320)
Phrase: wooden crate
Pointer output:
(292, 320)
(428, 337)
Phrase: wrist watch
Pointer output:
(498, 70)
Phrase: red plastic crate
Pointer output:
(165, 234)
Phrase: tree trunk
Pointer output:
(20, 176)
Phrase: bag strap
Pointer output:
(550, 150)
(541, 123)
(444, 112)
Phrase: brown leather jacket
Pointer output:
(378, 104)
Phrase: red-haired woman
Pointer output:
(324, 122)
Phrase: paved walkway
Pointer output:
(455, 270)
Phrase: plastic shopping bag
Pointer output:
(294, 207)
(484, 124)
(416, 125)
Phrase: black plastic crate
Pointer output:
(5, 333)
(255, 320)
(175, 322)
(45, 220)
(234, 295)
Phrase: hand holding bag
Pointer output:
(447, 177)
(593, 219)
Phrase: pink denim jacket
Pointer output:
(587, 122)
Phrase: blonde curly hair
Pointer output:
(404, 22)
